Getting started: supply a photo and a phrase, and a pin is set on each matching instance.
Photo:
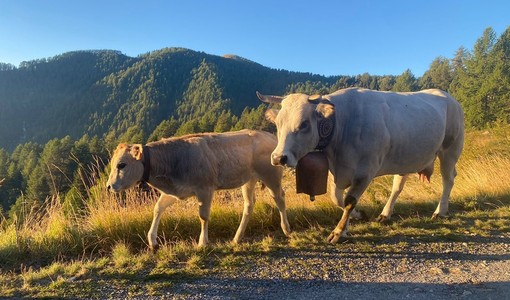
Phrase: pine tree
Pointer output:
(474, 88)
(56, 166)
(225, 122)
(500, 78)
(406, 82)
(439, 75)
(165, 129)
(189, 127)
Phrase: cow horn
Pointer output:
(269, 98)
(315, 99)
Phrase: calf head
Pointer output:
(126, 167)
(304, 124)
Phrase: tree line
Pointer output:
(61, 117)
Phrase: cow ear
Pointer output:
(271, 115)
(325, 110)
(136, 151)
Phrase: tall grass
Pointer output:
(109, 220)
(44, 235)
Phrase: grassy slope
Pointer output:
(58, 255)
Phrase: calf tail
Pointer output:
(262, 185)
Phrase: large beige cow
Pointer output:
(197, 165)
(367, 133)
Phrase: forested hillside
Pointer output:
(59, 115)
(106, 92)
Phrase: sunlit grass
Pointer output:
(49, 249)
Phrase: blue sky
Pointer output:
(321, 37)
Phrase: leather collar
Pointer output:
(146, 161)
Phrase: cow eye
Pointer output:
(121, 166)
(304, 125)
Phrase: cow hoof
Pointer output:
(383, 219)
(361, 215)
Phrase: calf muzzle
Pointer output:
(279, 160)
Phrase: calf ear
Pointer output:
(271, 114)
(325, 110)
(136, 151)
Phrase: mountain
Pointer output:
(105, 91)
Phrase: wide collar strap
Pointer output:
(146, 161)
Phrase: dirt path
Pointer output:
(472, 269)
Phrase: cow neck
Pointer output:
(324, 140)
(146, 162)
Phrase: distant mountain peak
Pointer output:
(237, 57)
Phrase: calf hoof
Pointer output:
(436, 216)
(154, 248)
(383, 219)
(287, 233)
(202, 245)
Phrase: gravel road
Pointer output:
(476, 268)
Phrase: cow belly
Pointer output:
(414, 149)
(409, 164)
(392, 169)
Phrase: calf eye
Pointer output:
(304, 125)
(121, 166)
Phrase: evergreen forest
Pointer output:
(61, 117)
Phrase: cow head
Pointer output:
(304, 124)
(127, 167)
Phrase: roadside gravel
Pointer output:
(477, 268)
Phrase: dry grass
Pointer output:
(117, 224)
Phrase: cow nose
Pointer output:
(279, 159)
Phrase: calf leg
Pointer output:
(279, 197)
(204, 210)
(248, 190)
(398, 186)
(272, 178)
(163, 202)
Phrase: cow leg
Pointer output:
(163, 202)
(398, 186)
(337, 197)
(204, 210)
(355, 191)
(336, 194)
(248, 190)
(448, 173)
